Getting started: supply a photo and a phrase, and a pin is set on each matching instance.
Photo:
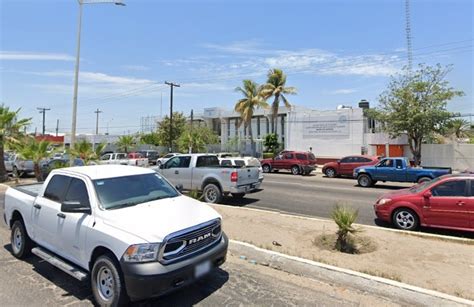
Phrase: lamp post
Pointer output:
(76, 70)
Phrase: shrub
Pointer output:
(196, 194)
(344, 217)
(268, 155)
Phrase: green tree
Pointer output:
(36, 151)
(344, 218)
(150, 139)
(415, 104)
(179, 123)
(246, 106)
(276, 88)
(10, 132)
(86, 152)
(125, 143)
(271, 143)
(196, 138)
(458, 128)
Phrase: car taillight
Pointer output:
(234, 176)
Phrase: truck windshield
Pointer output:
(119, 192)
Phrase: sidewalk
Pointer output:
(429, 262)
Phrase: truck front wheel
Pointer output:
(107, 284)
(365, 181)
(212, 194)
(21, 242)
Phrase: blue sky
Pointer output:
(334, 52)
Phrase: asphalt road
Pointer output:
(33, 282)
(315, 195)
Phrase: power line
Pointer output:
(43, 110)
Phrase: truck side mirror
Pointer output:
(427, 194)
(179, 187)
(75, 207)
(162, 166)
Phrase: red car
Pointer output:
(298, 162)
(346, 165)
(444, 202)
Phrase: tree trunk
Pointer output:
(38, 174)
(3, 171)
(415, 148)
(275, 112)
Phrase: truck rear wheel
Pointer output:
(107, 284)
(295, 170)
(423, 179)
(364, 181)
(212, 194)
(20, 241)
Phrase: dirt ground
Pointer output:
(431, 263)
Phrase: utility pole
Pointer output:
(43, 110)
(192, 119)
(97, 112)
(172, 85)
(57, 127)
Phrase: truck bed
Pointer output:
(30, 189)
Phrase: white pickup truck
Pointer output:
(123, 159)
(204, 173)
(125, 228)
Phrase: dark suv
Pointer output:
(298, 162)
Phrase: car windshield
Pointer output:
(119, 192)
(420, 187)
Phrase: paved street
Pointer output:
(36, 283)
(315, 195)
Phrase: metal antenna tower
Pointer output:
(408, 35)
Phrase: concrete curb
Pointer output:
(410, 292)
(406, 232)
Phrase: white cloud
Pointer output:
(34, 56)
(95, 77)
(243, 47)
(193, 86)
(136, 67)
(343, 91)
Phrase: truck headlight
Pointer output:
(383, 201)
(142, 252)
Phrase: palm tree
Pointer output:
(246, 106)
(459, 128)
(10, 131)
(36, 151)
(125, 142)
(84, 150)
(344, 218)
(276, 87)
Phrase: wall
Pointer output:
(333, 133)
(457, 156)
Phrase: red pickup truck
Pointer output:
(298, 162)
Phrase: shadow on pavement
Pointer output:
(436, 231)
(186, 296)
(240, 202)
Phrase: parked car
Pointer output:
(243, 161)
(395, 169)
(18, 166)
(165, 158)
(204, 173)
(298, 162)
(151, 155)
(346, 165)
(123, 159)
(221, 155)
(124, 229)
(53, 164)
(137, 159)
(444, 202)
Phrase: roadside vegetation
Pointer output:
(36, 151)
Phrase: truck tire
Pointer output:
(330, 172)
(212, 193)
(405, 219)
(295, 170)
(423, 179)
(364, 181)
(266, 168)
(20, 241)
(238, 195)
(107, 283)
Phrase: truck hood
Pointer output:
(153, 221)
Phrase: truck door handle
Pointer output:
(37, 206)
(61, 215)
(461, 203)
(176, 172)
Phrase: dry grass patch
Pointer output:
(356, 244)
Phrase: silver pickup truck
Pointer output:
(204, 173)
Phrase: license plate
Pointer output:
(202, 269)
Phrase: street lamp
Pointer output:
(76, 70)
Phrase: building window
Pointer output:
(236, 126)
(282, 119)
(258, 126)
(228, 127)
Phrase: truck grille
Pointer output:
(190, 241)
